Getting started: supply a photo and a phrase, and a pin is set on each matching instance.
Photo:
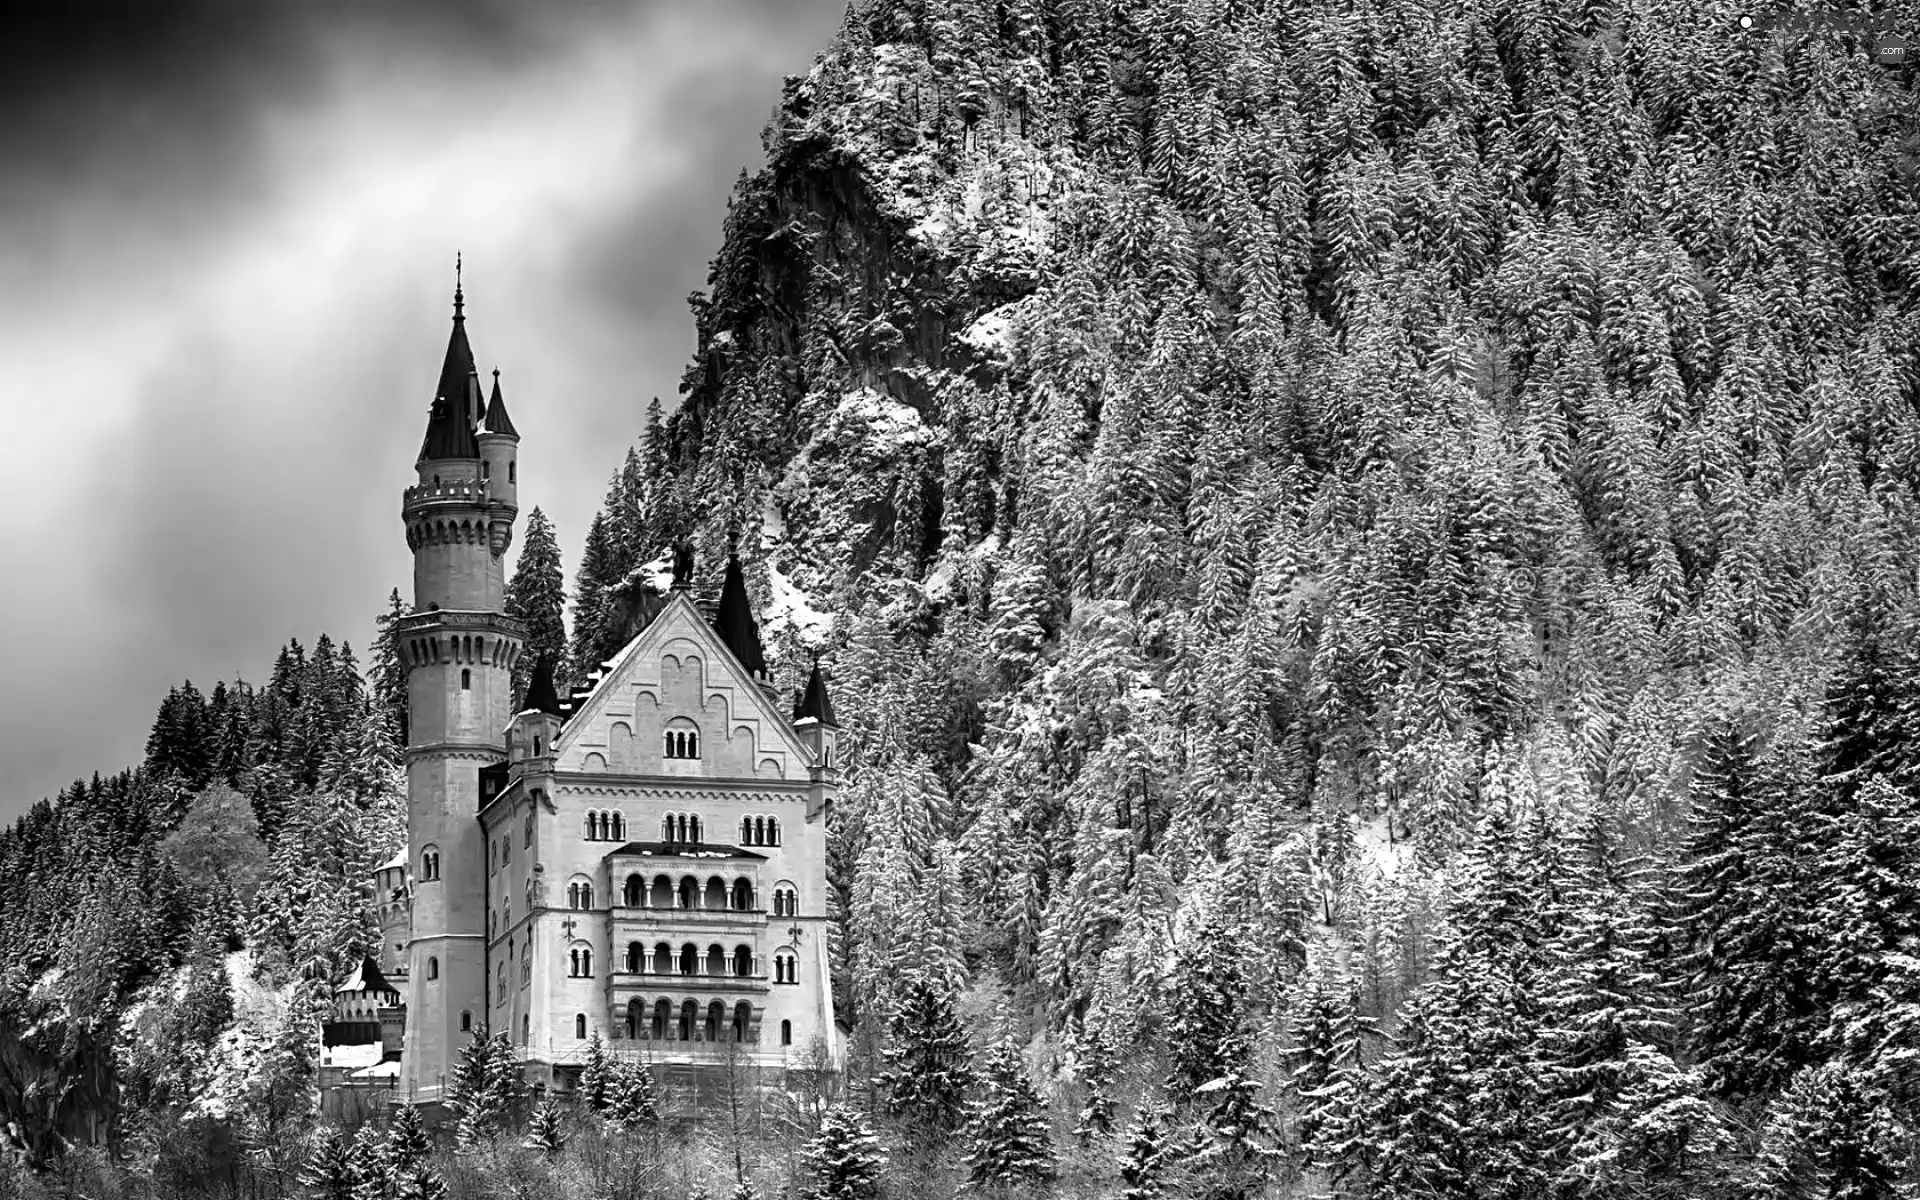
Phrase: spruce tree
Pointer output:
(537, 595)
(843, 1161)
(389, 671)
(1008, 1140)
(407, 1142)
(595, 576)
(631, 1096)
(367, 1160)
(1204, 1010)
(329, 1173)
(598, 1076)
(543, 1129)
(928, 1062)
(1149, 1147)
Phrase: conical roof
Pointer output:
(497, 419)
(366, 978)
(451, 421)
(814, 702)
(541, 696)
(735, 624)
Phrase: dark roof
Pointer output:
(455, 412)
(366, 978)
(497, 419)
(540, 694)
(813, 701)
(734, 621)
(685, 850)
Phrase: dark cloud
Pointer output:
(241, 483)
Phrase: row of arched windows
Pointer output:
(786, 969)
(579, 895)
(500, 853)
(682, 743)
(759, 831)
(580, 962)
(689, 1022)
(606, 827)
(681, 829)
(429, 864)
(663, 959)
(715, 895)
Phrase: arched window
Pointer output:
(527, 840)
(785, 969)
(466, 1022)
(786, 901)
(466, 680)
(746, 831)
(742, 896)
(742, 961)
(693, 744)
(689, 959)
(573, 962)
(773, 831)
(486, 469)
(697, 838)
(433, 968)
(636, 959)
(536, 747)
(526, 1027)
(506, 849)
(590, 824)
(636, 896)
(666, 828)
(580, 1025)
(662, 958)
(786, 1033)
(500, 976)
(680, 828)
(619, 828)
(429, 864)
(714, 1013)
(509, 470)
(688, 1013)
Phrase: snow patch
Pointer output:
(658, 574)
(1378, 849)
(723, 338)
(773, 527)
(990, 333)
(791, 606)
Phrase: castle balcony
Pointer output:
(462, 492)
(626, 983)
(447, 618)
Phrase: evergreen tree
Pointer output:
(330, 1173)
(486, 1089)
(631, 1096)
(407, 1143)
(928, 1072)
(1204, 1010)
(598, 1076)
(598, 572)
(389, 682)
(367, 1159)
(1007, 1135)
(843, 1160)
(1150, 1146)
(537, 595)
(543, 1129)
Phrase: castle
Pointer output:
(644, 861)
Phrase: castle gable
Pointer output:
(678, 677)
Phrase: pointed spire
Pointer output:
(449, 429)
(497, 419)
(541, 696)
(734, 621)
(813, 701)
(459, 298)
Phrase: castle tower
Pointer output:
(459, 648)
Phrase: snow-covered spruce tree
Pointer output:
(537, 595)
(1008, 1140)
(1827, 1135)
(1149, 1146)
(1240, 1153)
(597, 573)
(596, 1078)
(929, 1065)
(1203, 1011)
(744, 1190)
(407, 1142)
(543, 1129)
(367, 1158)
(486, 1090)
(631, 1098)
(843, 1161)
(329, 1172)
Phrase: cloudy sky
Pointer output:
(226, 251)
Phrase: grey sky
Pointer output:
(226, 250)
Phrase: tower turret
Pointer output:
(499, 469)
(459, 648)
(813, 723)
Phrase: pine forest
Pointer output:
(1369, 558)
